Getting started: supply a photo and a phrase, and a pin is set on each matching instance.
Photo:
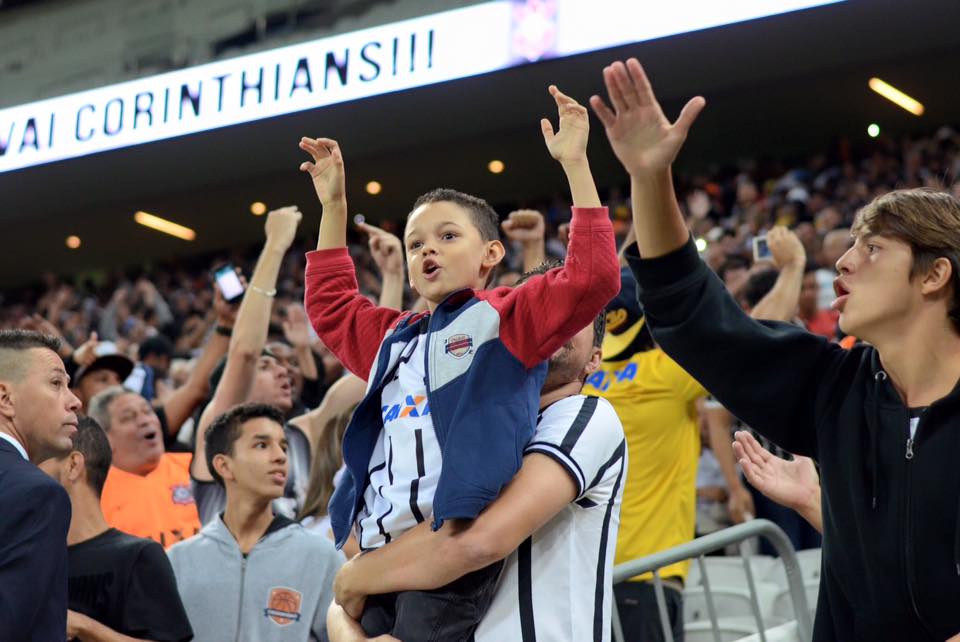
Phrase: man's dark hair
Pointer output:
(12, 342)
(483, 216)
(732, 262)
(227, 428)
(759, 285)
(599, 323)
(91, 442)
(158, 345)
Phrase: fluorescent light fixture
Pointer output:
(165, 226)
(495, 167)
(896, 96)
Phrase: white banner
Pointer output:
(403, 55)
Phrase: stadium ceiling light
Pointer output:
(374, 188)
(165, 226)
(73, 241)
(258, 208)
(495, 166)
(896, 96)
(873, 130)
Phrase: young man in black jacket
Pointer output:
(882, 420)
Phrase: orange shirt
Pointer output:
(158, 506)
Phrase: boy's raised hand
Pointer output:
(569, 143)
(326, 169)
(641, 136)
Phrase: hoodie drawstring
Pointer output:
(874, 427)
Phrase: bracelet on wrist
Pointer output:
(270, 293)
(223, 330)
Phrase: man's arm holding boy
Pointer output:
(542, 315)
(345, 321)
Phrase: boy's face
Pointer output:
(874, 289)
(445, 251)
(259, 461)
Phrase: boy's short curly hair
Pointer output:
(483, 216)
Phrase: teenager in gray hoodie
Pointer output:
(250, 574)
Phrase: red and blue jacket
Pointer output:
(486, 356)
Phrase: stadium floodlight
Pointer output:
(165, 226)
(896, 96)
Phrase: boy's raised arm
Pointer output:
(345, 321)
(568, 146)
(327, 173)
(538, 317)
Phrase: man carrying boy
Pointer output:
(463, 379)
(555, 523)
(272, 577)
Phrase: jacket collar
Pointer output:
(8, 442)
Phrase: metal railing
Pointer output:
(699, 547)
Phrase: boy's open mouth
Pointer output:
(430, 268)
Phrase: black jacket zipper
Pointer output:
(909, 455)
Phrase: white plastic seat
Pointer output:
(786, 632)
(730, 601)
(783, 602)
(729, 571)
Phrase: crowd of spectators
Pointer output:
(726, 208)
(162, 330)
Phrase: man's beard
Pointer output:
(562, 369)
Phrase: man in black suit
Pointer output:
(38, 418)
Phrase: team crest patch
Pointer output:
(181, 494)
(283, 606)
(458, 345)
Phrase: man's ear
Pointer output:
(938, 277)
(76, 467)
(7, 395)
(222, 464)
(593, 364)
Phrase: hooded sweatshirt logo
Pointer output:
(283, 605)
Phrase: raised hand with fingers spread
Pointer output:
(641, 136)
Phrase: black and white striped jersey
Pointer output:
(406, 462)
(558, 584)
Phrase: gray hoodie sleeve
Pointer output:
(331, 564)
